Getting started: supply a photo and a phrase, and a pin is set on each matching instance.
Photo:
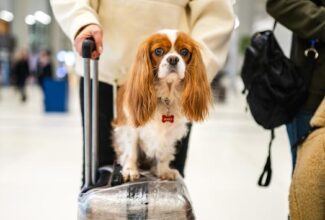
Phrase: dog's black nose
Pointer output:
(173, 60)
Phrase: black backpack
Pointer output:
(275, 88)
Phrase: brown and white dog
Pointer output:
(167, 87)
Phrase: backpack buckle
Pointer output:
(312, 49)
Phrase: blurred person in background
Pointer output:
(118, 27)
(7, 46)
(20, 72)
(44, 67)
(306, 19)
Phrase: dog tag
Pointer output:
(167, 118)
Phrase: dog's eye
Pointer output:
(184, 52)
(159, 52)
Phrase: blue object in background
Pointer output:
(5, 73)
(56, 95)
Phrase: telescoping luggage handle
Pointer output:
(90, 113)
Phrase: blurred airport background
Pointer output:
(40, 126)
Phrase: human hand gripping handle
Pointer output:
(91, 31)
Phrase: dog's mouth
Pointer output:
(172, 69)
(172, 77)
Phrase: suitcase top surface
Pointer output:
(146, 198)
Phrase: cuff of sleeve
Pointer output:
(81, 21)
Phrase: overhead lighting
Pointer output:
(67, 57)
(42, 17)
(6, 16)
(237, 23)
(60, 56)
(30, 20)
(70, 58)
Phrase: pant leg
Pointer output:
(106, 154)
(22, 90)
(296, 130)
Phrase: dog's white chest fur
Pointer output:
(156, 139)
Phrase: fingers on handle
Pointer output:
(97, 35)
(90, 32)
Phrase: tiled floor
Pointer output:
(40, 163)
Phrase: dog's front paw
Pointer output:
(168, 174)
(130, 174)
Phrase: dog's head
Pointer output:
(172, 58)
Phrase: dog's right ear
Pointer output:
(196, 98)
(140, 91)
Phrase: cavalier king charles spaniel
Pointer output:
(167, 88)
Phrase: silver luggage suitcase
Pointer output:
(104, 196)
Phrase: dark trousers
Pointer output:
(106, 154)
(21, 87)
(296, 129)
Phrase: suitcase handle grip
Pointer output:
(88, 46)
(90, 113)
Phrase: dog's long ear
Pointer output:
(196, 97)
(141, 96)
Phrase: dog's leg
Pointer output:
(129, 157)
(164, 172)
(164, 157)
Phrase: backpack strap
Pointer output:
(274, 25)
(265, 178)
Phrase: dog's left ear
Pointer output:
(140, 91)
(196, 97)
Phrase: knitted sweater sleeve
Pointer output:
(211, 23)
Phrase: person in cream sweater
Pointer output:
(119, 26)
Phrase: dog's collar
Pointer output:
(164, 100)
(166, 117)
